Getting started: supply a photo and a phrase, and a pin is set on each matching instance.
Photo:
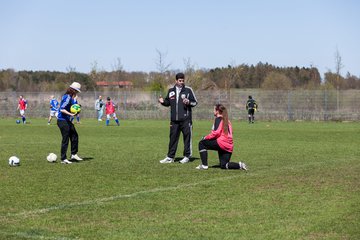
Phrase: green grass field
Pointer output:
(303, 183)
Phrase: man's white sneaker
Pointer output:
(243, 166)
(76, 157)
(202, 167)
(66, 161)
(185, 160)
(167, 160)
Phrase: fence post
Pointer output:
(125, 100)
(325, 105)
(229, 101)
(337, 100)
(290, 118)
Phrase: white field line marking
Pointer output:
(113, 198)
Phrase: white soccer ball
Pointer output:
(51, 157)
(14, 161)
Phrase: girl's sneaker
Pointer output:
(243, 166)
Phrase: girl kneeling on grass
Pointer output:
(220, 139)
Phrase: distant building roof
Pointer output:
(121, 84)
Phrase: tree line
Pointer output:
(262, 76)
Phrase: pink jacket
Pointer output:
(109, 107)
(225, 141)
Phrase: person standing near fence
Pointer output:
(251, 107)
(99, 107)
(54, 107)
(110, 108)
(67, 128)
(221, 140)
(181, 100)
(22, 106)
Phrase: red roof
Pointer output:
(119, 83)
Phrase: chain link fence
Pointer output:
(308, 105)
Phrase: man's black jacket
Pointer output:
(179, 110)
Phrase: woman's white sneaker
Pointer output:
(76, 157)
(66, 161)
(167, 160)
(202, 167)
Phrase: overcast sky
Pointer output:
(75, 34)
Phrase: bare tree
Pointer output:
(161, 79)
(96, 75)
(118, 70)
(117, 66)
(93, 72)
(338, 62)
(338, 67)
(189, 70)
(71, 71)
(189, 66)
(161, 64)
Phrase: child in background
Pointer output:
(54, 107)
(110, 111)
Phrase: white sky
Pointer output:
(62, 34)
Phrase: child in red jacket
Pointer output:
(110, 109)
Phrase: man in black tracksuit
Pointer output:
(181, 100)
(251, 106)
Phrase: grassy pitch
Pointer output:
(303, 183)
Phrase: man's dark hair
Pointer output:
(180, 75)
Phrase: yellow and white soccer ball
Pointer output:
(75, 108)
(51, 157)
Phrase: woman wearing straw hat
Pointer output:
(65, 125)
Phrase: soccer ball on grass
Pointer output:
(14, 161)
(51, 157)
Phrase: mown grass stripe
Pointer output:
(112, 198)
